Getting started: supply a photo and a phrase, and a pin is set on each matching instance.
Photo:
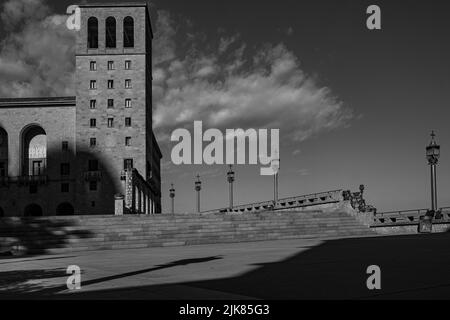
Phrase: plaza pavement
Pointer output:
(414, 266)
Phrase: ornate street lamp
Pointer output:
(172, 197)
(433, 152)
(198, 187)
(230, 178)
(276, 167)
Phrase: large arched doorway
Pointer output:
(65, 209)
(34, 151)
(33, 210)
(3, 154)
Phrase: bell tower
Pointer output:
(114, 104)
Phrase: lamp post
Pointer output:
(275, 167)
(172, 197)
(198, 187)
(230, 178)
(433, 153)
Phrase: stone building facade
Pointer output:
(70, 155)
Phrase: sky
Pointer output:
(354, 106)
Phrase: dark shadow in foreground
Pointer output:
(412, 266)
(35, 235)
(17, 282)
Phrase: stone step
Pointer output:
(200, 230)
(59, 234)
(205, 240)
(298, 221)
(192, 236)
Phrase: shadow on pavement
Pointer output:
(18, 285)
(412, 266)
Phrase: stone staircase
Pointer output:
(79, 233)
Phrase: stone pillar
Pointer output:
(145, 202)
(118, 204)
(153, 204)
(129, 191)
(135, 201)
(139, 204)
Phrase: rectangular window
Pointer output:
(127, 164)
(110, 84)
(64, 187)
(110, 65)
(110, 103)
(110, 122)
(65, 145)
(128, 141)
(93, 165)
(37, 167)
(127, 122)
(93, 66)
(92, 142)
(93, 104)
(127, 64)
(93, 85)
(127, 103)
(128, 83)
(93, 185)
(93, 123)
(65, 169)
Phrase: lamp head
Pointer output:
(433, 150)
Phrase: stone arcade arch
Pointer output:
(65, 209)
(34, 151)
(33, 210)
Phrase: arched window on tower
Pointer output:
(110, 32)
(92, 33)
(128, 32)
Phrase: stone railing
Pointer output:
(308, 200)
(407, 217)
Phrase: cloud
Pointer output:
(37, 54)
(241, 88)
(226, 42)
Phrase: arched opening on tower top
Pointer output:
(110, 32)
(128, 32)
(92, 33)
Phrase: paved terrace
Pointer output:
(412, 266)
